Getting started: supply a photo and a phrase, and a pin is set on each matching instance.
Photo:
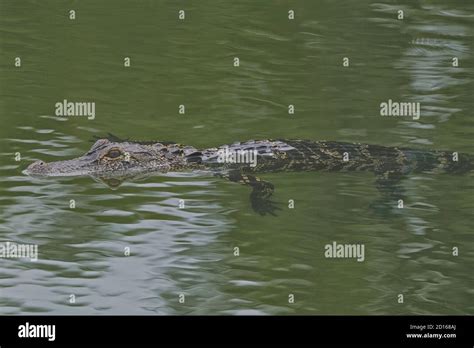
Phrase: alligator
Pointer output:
(114, 160)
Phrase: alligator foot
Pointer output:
(264, 206)
(261, 191)
(392, 193)
(260, 199)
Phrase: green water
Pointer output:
(190, 251)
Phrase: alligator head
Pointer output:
(113, 160)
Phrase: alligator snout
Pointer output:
(74, 167)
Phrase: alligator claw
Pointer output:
(264, 207)
(261, 203)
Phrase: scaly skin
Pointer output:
(114, 160)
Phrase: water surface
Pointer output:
(190, 251)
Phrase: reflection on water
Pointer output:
(191, 251)
(82, 249)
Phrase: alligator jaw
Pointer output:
(76, 167)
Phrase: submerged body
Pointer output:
(114, 160)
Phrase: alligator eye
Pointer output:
(114, 153)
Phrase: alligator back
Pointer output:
(308, 155)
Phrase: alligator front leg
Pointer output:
(261, 191)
